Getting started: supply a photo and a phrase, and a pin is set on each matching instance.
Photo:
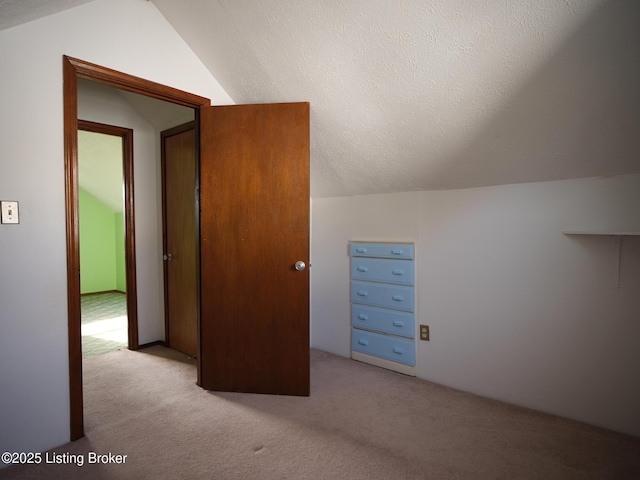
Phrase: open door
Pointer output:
(254, 251)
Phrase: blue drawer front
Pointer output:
(380, 295)
(388, 321)
(391, 348)
(382, 250)
(382, 270)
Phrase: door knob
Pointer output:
(299, 265)
(168, 257)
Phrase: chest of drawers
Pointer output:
(383, 305)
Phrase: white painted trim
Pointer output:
(381, 362)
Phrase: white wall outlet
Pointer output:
(9, 212)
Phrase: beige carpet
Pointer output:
(361, 422)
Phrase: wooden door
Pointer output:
(254, 197)
(180, 237)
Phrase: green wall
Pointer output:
(121, 268)
(101, 246)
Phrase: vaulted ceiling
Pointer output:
(434, 94)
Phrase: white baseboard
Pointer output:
(381, 362)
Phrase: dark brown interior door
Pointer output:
(180, 237)
(254, 195)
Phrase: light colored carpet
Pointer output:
(104, 323)
(360, 422)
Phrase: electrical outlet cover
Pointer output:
(424, 332)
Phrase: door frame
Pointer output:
(126, 135)
(73, 69)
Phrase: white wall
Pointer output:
(518, 311)
(127, 35)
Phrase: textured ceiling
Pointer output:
(16, 12)
(428, 94)
(435, 94)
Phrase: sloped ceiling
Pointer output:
(100, 168)
(435, 94)
(16, 12)
(432, 94)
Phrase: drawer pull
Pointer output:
(362, 293)
(362, 269)
(398, 350)
(363, 317)
(398, 323)
(398, 272)
(398, 298)
(362, 341)
(361, 250)
(396, 251)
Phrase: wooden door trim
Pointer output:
(72, 69)
(126, 134)
(134, 84)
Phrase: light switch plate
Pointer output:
(9, 212)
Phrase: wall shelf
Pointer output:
(616, 233)
(620, 234)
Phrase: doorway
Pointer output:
(73, 70)
(254, 217)
(107, 277)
